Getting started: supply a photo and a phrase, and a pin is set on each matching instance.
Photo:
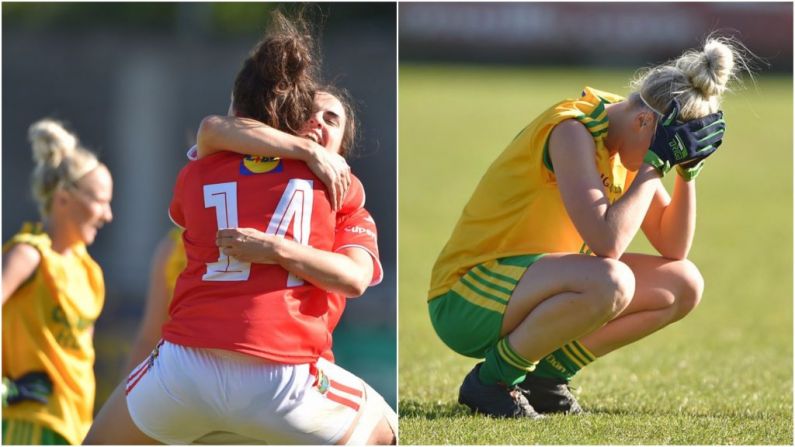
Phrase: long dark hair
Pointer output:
(279, 78)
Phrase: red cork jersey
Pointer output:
(358, 230)
(255, 309)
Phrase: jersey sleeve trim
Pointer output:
(378, 270)
(193, 153)
(174, 221)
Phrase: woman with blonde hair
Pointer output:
(53, 291)
(536, 278)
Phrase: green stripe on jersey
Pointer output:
(495, 275)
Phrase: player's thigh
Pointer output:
(601, 281)
(469, 316)
(375, 424)
(113, 424)
(662, 283)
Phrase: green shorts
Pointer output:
(468, 318)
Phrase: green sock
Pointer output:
(565, 362)
(504, 365)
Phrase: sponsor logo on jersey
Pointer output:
(360, 230)
(612, 189)
(254, 164)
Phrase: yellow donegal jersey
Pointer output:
(48, 326)
(177, 259)
(516, 208)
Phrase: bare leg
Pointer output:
(113, 424)
(376, 423)
(666, 290)
(563, 297)
(383, 434)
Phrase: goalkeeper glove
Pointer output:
(687, 144)
(34, 386)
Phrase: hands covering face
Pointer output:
(684, 145)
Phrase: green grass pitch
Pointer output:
(723, 375)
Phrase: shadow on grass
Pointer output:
(608, 411)
(431, 410)
(441, 410)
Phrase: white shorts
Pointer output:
(182, 395)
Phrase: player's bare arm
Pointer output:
(245, 135)
(348, 271)
(670, 223)
(607, 229)
(18, 264)
(251, 137)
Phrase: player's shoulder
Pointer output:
(356, 184)
(355, 197)
(24, 251)
(220, 163)
(30, 238)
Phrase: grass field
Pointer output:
(723, 375)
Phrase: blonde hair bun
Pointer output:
(709, 70)
(51, 142)
(60, 160)
(698, 79)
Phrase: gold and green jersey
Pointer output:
(176, 261)
(516, 208)
(48, 326)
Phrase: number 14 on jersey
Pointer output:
(294, 208)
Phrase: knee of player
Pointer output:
(383, 434)
(617, 286)
(691, 288)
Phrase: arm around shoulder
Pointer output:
(19, 263)
(247, 136)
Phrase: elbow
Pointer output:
(610, 254)
(355, 290)
(208, 128)
(675, 255)
(676, 250)
(607, 250)
(355, 287)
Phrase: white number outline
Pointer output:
(294, 208)
(223, 197)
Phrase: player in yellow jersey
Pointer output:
(535, 277)
(52, 294)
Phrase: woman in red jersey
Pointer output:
(242, 360)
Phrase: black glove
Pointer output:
(686, 144)
(34, 386)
